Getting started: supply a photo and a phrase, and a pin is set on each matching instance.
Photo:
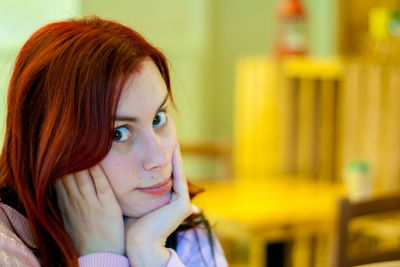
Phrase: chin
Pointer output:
(150, 206)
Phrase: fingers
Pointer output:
(61, 193)
(85, 184)
(70, 186)
(104, 191)
(179, 177)
(180, 198)
(78, 186)
(90, 185)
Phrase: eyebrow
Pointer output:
(134, 119)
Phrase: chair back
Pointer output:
(215, 151)
(349, 211)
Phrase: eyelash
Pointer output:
(129, 130)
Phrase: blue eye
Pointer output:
(121, 134)
(160, 119)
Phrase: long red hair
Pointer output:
(62, 100)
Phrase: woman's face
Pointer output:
(138, 165)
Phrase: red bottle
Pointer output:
(291, 35)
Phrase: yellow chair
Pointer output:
(348, 211)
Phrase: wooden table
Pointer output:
(260, 210)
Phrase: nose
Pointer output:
(155, 155)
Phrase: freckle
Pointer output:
(140, 178)
(152, 177)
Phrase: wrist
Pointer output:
(100, 248)
(152, 255)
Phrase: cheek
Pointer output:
(120, 171)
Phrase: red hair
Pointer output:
(62, 100)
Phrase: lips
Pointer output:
(157, 189)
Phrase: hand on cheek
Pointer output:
(91, 214)
(146, 236)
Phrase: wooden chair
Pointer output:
(215, 150)
(347, 212)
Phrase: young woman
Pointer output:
(90, 169)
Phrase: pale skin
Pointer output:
(144, 153)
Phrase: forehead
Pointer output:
(144, 91)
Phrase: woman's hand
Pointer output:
(91, 214)
(146, 236)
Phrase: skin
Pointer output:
(144, 152)
(141, 156)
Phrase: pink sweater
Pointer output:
(16, 241)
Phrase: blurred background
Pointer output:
(284, 108)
